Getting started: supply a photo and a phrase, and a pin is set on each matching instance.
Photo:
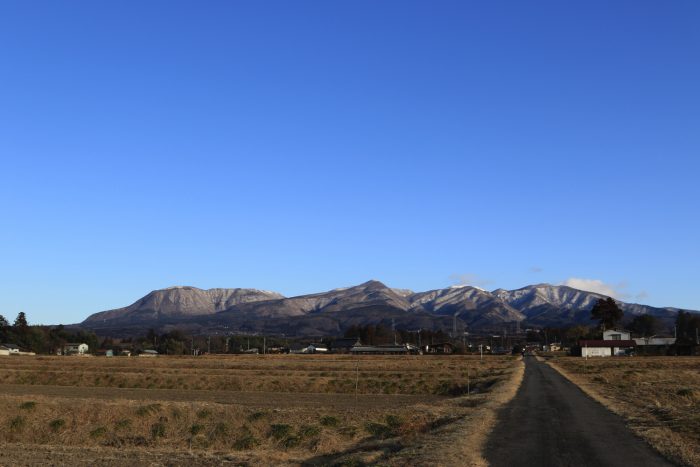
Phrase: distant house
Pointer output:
(75, 349)
(12, 348)
(125, 353)
(616, 335)
(4, 351)
(317, 348)
(345, 345)
(605, 348)
(442, 348)
(149, 353)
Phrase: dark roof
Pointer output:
(11, 346)
(610, 343)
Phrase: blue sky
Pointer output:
(303, 146)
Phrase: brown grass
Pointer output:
(272, 433)
(659, 397)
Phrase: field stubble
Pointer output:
(276, 430)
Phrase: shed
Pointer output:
(605, 348)
(149, 353)
(317, 348)
(442, 347)
(12, 348)
(75, 348)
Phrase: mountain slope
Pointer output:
(331, 312)
(178, 303)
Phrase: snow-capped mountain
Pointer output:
(372, 302)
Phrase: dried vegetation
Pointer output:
(658, 396)
(361, 431)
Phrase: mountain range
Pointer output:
(332, 312)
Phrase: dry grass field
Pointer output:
(658, 396)
(237, 410)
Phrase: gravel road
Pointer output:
(551, 422)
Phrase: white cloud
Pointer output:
(469, 279)
(596, 286)
(536, 269)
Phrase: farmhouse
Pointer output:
(605, 348)
(75, 349)
(12, 348)
(317, 348)
(615, 335)
(149, 353)
(4, 351)
(443, 347)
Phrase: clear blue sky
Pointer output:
(303, 146)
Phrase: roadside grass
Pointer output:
(659, 397)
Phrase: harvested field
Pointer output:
(293, 409)
(658, 396)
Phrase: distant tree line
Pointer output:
(42, 339)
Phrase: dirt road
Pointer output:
(551, 422)
(254, 399)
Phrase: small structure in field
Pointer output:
(149, 353)
(12, 348)
(317, 348)
(4, 351)
(441, 348)
(125, 353)
(605, 348)
(76, 348)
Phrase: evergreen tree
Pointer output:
(607, 313)
(644, 325)
(21, 321)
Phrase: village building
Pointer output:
(75, 349)
(4, 351)
(317, 348)
(12, 348)
(148, 353)
(442, 348)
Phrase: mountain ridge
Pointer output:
(372, 302)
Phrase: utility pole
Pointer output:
(264, 345)
(209, 345)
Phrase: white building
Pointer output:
(606, 348)
(75, 349)
(616, 335)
